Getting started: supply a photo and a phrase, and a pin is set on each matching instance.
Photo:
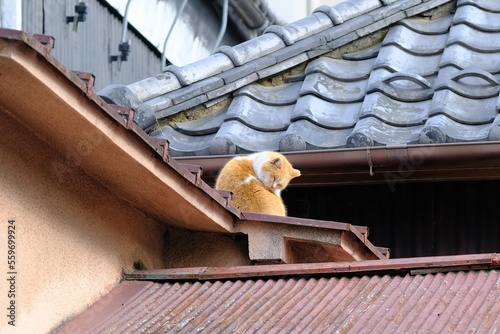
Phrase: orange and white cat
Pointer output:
(256, 181)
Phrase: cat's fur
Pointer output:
(256, 181)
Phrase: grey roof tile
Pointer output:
(201, 69)
(494, 133)
(247, 139)
(303, 28)
(249, 68)
(283, 65)
(336, 43)
(304, 135)
(300, 47)
(429, 27)
(493, 6)
(159, 103)
(348, 10)
(402, 86)
(326, 114)
(182, 106)
(472, 83)
(415, 42)
(397, 60)
(347, 27)
(377, 25)
(203, 126)
(447, 130)
(462, 57)
(157, 85)
(426, 81)
(398, 6)
(259, 116)
(196, 89)
(341, 69)
(333, 80)
(368, 53)
(477, 18)
(182, 144)
(285, 94)
(333, 90)
(252, 49)
(232, 86)
(479, 41)
(282, 33)
(382, 107)
(377, 132)
(459, 108)
(425, 6)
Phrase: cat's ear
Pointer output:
(276, 162)
(295, 173)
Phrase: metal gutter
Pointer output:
(449, 161)
(413, 266)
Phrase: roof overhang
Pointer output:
(59, 108)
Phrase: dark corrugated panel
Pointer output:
(453, 302)
(412, 219)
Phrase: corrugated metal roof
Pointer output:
(466, 301)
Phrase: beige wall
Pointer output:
(73, 236)
(185, 248)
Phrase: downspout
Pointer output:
(179, 13)
(222, 31)
(125, 22)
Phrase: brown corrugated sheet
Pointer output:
(456, 300)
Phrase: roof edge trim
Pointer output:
(412, 266)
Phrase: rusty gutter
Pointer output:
(372, 158)
(252, 216)
(412, 266)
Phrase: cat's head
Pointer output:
(274, 170)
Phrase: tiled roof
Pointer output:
(425, 81)
(420, 295)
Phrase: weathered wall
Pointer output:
(185, 248)
(73, 237)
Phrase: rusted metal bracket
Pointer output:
(164, 145)
(125, 111)
(88, 78)
(47, 41)
(197, 171)
(227, 195)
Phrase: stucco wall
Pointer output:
(73, 237)
(184, 248)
